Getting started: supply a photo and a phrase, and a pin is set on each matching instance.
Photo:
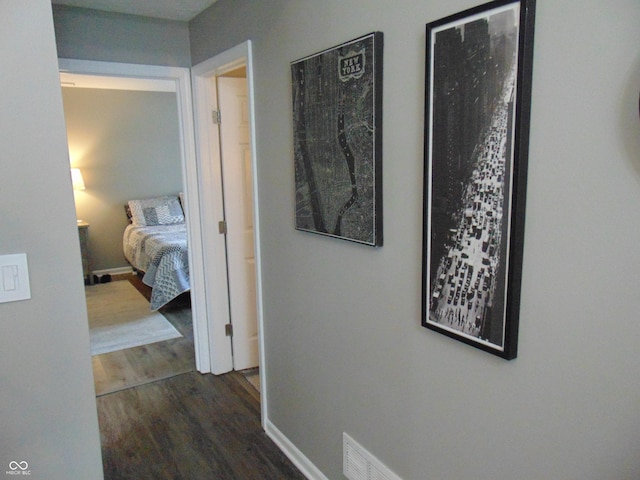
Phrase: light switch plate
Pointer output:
(14, 278)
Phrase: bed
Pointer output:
(155, 244)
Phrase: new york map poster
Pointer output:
(337, 127)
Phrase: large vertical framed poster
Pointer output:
(478, 96)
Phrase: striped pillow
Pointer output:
(164, 210)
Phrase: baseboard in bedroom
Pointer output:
(298, 458)
(112, 274)
(113, 271)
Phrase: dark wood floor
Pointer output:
(187, 426)
(139, 365)
(191, 426)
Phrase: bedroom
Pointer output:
(126, 142)
(241, 297)
(124, 139)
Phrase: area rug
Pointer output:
(120, 318)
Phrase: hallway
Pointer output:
(161, 419)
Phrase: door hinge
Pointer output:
(228, 330)
(215, 116)
(222, 227)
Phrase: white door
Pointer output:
(238, 206)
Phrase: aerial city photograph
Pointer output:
(470, 176)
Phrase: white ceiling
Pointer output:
(183, 10)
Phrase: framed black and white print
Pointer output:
(337, 127)
(477, 104)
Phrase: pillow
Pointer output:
(156, 211)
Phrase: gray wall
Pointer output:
(47, 401)
(344, 346)
(112, 37)
(127, 145)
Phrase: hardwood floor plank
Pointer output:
(160, 419)
(136, 366)
(192, 426)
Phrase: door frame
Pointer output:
(212, 207)
(180, 77)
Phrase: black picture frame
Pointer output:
(337, 128)
(477, 109)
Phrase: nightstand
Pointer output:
(83, 233)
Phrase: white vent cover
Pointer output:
(359, 464)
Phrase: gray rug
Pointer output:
(120, 318)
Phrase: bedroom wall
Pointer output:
(113, 37)
(344, 347)
(127, 145)
(47, 401)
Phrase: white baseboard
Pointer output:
(113, 271)
(298, 458)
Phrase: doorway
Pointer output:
(203, 198)
(215, 88)
(179, 81)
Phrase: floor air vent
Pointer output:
(359, 464)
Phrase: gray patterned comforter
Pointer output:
(160, 252)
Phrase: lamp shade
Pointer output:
(76, 179)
